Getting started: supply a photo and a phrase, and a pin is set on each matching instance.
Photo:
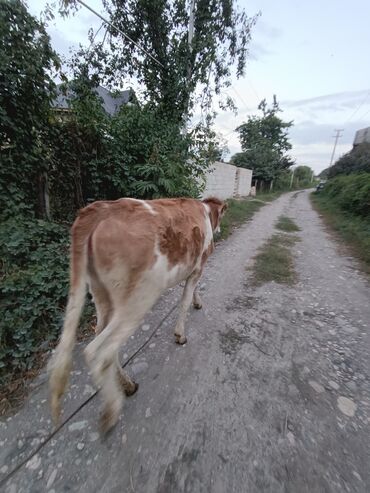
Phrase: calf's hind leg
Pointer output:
(197, 301)
(128, 385)
(102, 360)
(102, 302)
(101, 354)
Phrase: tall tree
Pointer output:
(303, 173)
(26, 89)
(265, 143)
(177, 72)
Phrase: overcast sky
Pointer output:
(312, 55)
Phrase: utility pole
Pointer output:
(190, 35)
(190, 46)
(337, 136)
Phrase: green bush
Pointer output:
(350, 192)
(357, 160)
(34, 283)
(354, 229)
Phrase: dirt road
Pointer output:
(270, 394)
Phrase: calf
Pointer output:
(128, 252)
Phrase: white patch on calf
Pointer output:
(162, 273)
(208, 228)
(145, 204)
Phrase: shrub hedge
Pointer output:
(351, 193)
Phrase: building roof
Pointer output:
(111, 103)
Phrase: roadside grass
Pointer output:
(274, 262)
(240, 211)
(286, 224)
(353, 229)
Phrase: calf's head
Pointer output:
(217, 209)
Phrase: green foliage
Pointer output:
(351, 193)
(134, 153)
(185, 75)
(283, 180)
(238, 211)
(264, 142)
(324, 174)
(286, 224)
(147, 157)
(34, 281)
(356, 160)
(354, 229)
(26, 88)
(303, 174)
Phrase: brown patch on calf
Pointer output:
(182, 237)
(173, 244)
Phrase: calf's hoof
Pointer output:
(180, 339)
(132, 389)
(198, 305)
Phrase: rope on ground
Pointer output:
(4, 480)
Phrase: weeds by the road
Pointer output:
(354, 229)
(286, 224)
(239, 211)
(274, 261)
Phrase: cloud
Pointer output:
(267, 30)
(258, 51)
(348, 99)
(317, 156)
(263, 35)
(309, 132)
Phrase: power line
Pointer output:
(365, 114)
(358, 107)
(239, 96)
(252, 87)
(120, 31)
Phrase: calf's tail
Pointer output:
(61, 362)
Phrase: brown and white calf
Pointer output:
(128, 252)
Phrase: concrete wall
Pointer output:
(362, 136)
(220, 181)
(226, 181)
(245, 182)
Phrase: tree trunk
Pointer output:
(43, 196)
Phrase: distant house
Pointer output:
(111, 102)
(362, 136)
